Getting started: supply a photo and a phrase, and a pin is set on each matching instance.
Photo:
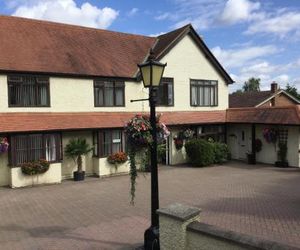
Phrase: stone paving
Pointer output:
(95, 214)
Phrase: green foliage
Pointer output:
(292, 90)
(221, 152)
(34, 168)
(253, 84)
(200, 152)
(161, 153)
(145, 161)
(133, 173)
(282, 152)
(76, 148)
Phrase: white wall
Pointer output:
(4, 170)
(18, 179)
(185, 61)
(268, 154)
(177, 156)
(68, 165)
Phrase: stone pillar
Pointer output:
(172, 227)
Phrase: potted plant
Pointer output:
(75, 149)
(251, 158)
(282, 153)
(258, 145)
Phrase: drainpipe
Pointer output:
(253, 143)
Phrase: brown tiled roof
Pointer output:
(165, 40)
(25, 122)
(28, 45)
(37, 46)
(269, 115)
(248, 99)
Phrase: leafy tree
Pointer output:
(75, 149)
(253, 84)
(239, 91)
(292, 90)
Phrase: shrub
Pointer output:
(200, 152)
(221, 152)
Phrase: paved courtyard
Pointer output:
(96, 214)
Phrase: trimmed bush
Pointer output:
(200, 152)
(221, 152)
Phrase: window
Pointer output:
(216, 132)
(28, 91)
(107, 142)
(32, 147)
(165, 95)
(283, 135)
(108, 93)
(204, 93)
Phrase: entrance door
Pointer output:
(243, 140)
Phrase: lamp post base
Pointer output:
(151, 238)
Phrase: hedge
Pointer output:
(203, 153)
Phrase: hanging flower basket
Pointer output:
(188, 133)
(270, 135)
(3, 145)
(34, 168)
(178, 143)
(258, 145)
(138, 132)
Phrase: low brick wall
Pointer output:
(180, 229)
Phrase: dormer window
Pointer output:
(109, 93)
(28, 91)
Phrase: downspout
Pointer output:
(253, 146)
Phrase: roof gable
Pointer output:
(295, 100)
(167, 41)
(255, 98)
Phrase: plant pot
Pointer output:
(251, 159)
(281, 164)
(78, 176)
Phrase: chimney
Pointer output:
(274, 87)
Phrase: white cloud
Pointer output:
(239, 10)
(66, 11)
(281, 23)
(132, 12)
(163, 16)
(234, 58)
(204, 14)
(157, 34)
(282, 79)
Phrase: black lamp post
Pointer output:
(152, 72)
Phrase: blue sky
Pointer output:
(249, 37)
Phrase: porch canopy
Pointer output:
(37, 121)
(270, 115)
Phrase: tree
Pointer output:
(292, 90)
(75, 149)
(253, 84)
